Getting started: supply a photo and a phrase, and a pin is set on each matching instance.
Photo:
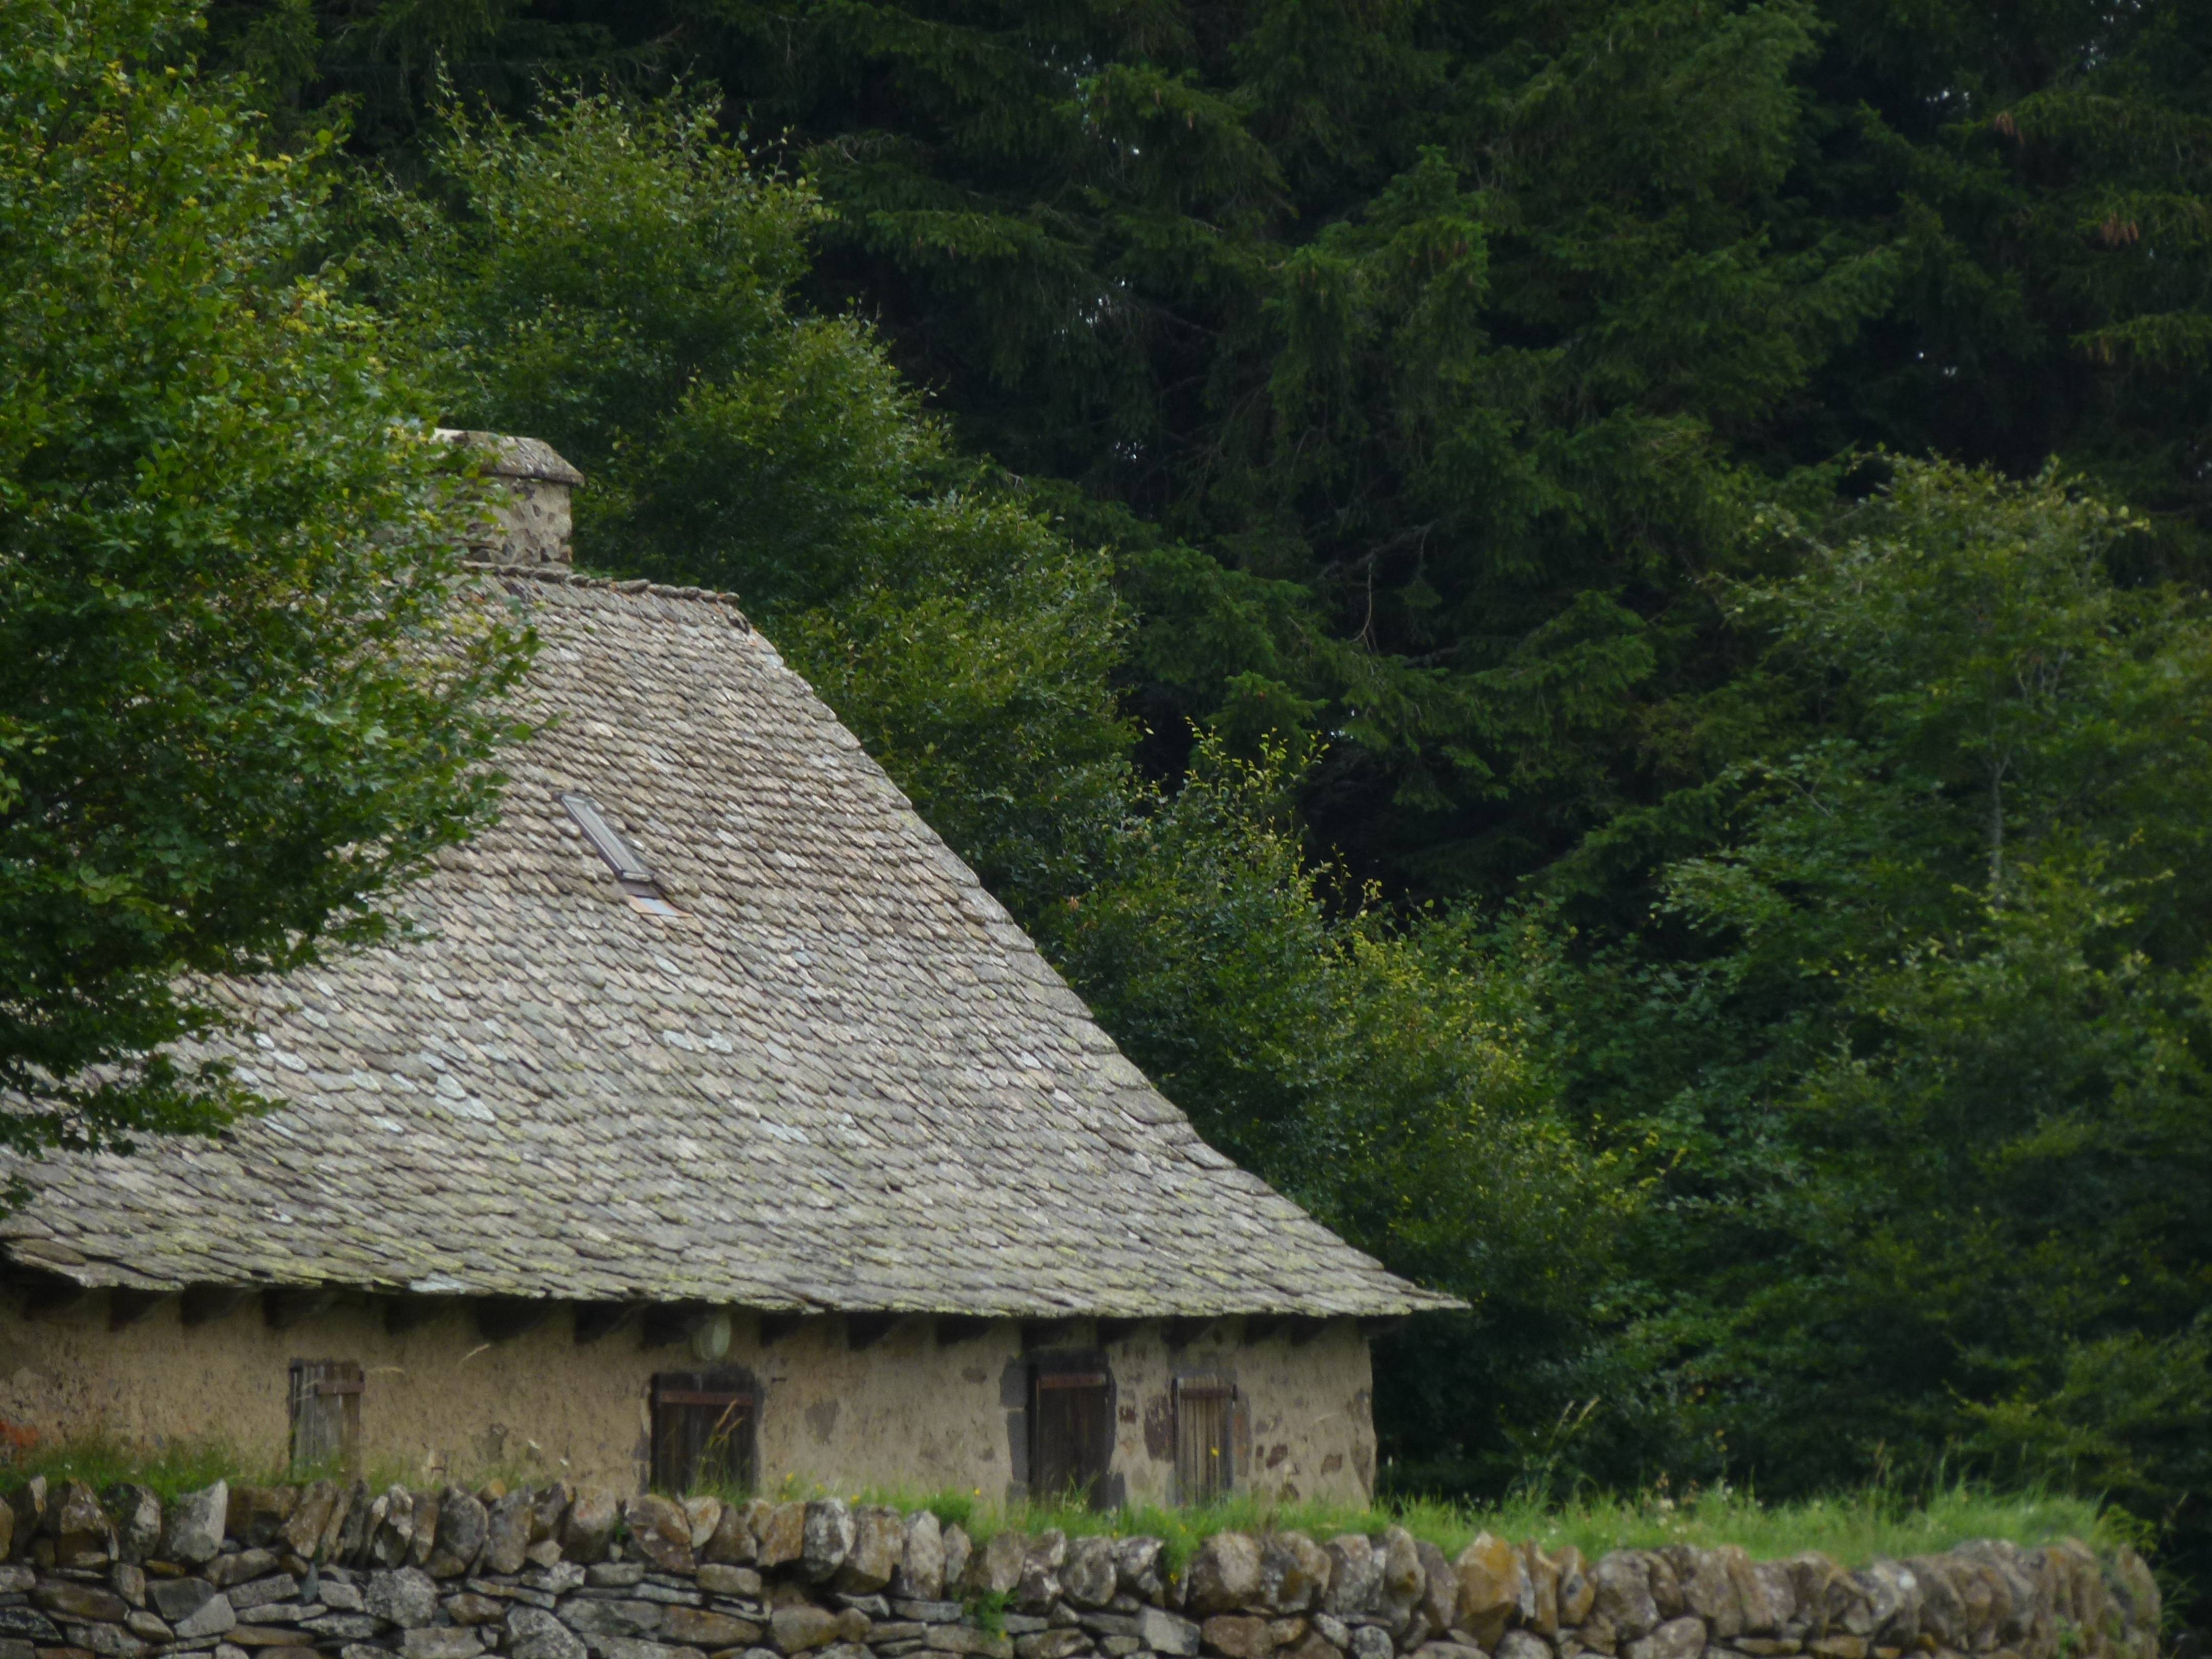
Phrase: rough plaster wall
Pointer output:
(904, 1413)
(1304, 1426)
(435, 1397)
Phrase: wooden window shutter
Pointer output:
(325, 1401)
(703, 1426)
(1204, 1410)
(1071, 1429)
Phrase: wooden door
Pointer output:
(1071, 1433)
(325, 1402)
(1204, 1407)
(703, 1430)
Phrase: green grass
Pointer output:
(1853, 1527)
(172, 1470)
(182, 1466)
(988, 1612)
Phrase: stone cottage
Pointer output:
(716, 1127)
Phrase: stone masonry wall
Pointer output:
(557, 1573)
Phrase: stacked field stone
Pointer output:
(556, 1573)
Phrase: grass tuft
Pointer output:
(172, 1469)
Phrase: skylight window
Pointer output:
(632, 873)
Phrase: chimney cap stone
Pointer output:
(516, 458)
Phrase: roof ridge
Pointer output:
(562, 575)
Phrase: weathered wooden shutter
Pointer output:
(325, 1396)
(1204, 1409)
(703, 1430)
(1071, 1430)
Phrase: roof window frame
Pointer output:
(631, 872)
(612, 847)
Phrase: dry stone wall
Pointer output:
(556, 1573)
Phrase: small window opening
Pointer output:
(632, 873)
(703, 1426)
(1071, 1429)
(1204, 1410)
(325, 1404)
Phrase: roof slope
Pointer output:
(849, 1081)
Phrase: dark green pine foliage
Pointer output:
(2043, 172)
(1426, 345)
(1417, 360)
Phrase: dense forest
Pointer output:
(1584, 625)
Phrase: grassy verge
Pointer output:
(1853, 1527)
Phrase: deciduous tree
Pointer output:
(239, 704)
(1918, 1032)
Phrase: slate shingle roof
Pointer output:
(850, 1082)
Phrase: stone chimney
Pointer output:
(530, 518)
